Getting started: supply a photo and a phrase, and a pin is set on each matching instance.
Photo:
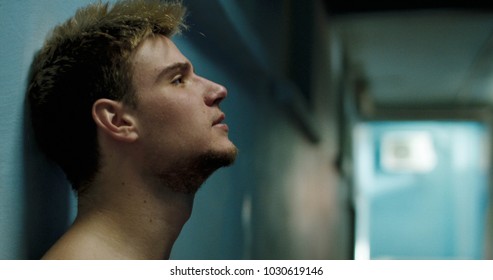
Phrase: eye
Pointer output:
(178, 80)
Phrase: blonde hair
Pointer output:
(84, 59)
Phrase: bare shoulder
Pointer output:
(79, 244)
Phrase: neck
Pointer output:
(134, 219)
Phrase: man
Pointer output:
(117, 105)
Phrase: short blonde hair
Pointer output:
(84, 59)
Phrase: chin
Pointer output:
(189, 172)
(220, 158)
(203, 166)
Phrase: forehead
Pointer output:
(151, 58)
(155, 53)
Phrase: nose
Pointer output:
(215, 93)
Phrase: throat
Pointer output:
(138, 222)
(132, 234)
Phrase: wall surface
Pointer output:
(35, 201)
(301, 206)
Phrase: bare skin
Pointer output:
(154, 158)
(133, 225)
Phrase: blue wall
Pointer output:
(35, 202)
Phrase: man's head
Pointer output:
(180, 125)
(102, 60)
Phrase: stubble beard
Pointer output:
(188, 175)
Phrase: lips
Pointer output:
(218, 122)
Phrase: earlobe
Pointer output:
(112, 118)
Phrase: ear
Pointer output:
(113, 118)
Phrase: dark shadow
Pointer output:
(346, 7)
(46, 193)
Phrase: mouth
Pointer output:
(218, 122)
(219, 119)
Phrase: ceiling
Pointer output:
(427, 55)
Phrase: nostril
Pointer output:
(213, 100)
(218, 100)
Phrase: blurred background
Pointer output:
(364, 131)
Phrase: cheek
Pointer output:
(159, 109)
(180, 117)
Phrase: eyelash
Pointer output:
(178, 80)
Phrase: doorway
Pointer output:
(421, 189)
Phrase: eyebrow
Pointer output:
(173, 68)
